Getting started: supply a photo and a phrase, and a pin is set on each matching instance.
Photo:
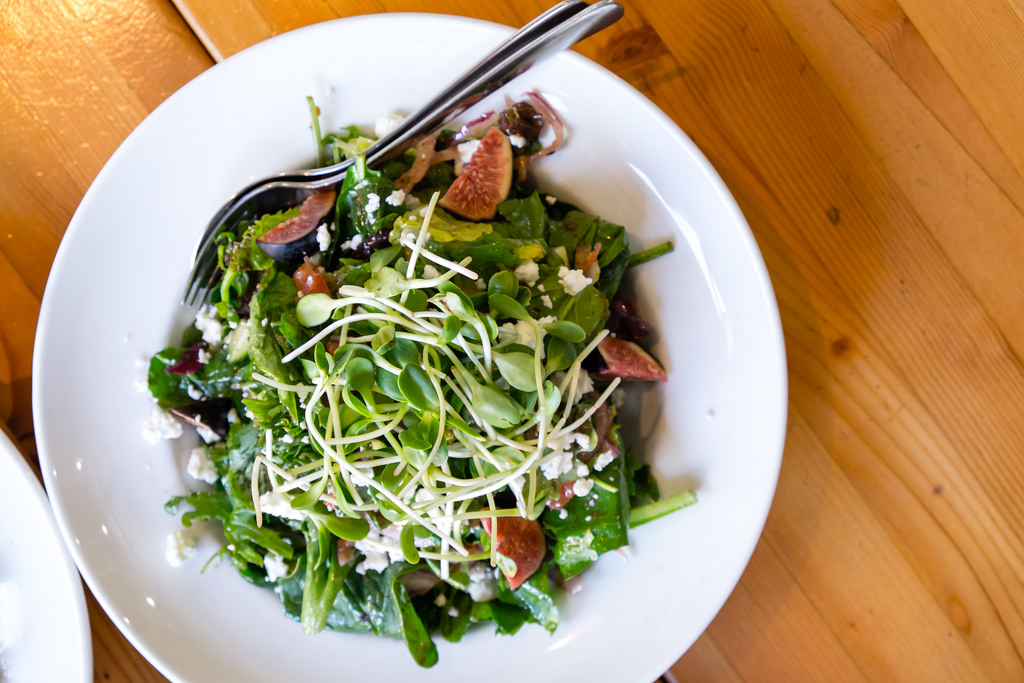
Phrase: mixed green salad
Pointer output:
(404, 391)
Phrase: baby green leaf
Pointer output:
(309, 497)
(416, 387)
(503, 282)
(408, 541)
(507, 307)
(564, 329)
(517, 369)
(359, 375)
(496, 408)
(314, 309)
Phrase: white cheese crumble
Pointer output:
(372, 202)
(352, 243)
(195, 393)
(387, 123)
(560, 461)
(203, 356)
(528, 272)
(232, 416)
(207, 434)
(200, 466)
(517, 140)
(546, 300)
(323, 237)
(603, 460)
(573, 281)
(482, 582)
(430, 272)
(582, 470)
(209, 325)
(396, 198)
(440, 600)
(279, 505)
(550, 199)
(582, 487)
(160, 425)
(276, 566)
(467, 150)
(181, 545)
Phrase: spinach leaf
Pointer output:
(274, 302)
(526, 218)
(362, 201)
(594, 524)
(382, 598)
(534, 595)
(214, 379)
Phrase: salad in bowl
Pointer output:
(406, 389)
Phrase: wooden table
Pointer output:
(877, 149)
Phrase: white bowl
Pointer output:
(42, 604)
(112, 299)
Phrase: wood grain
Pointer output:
(75, 79)
(875, 147)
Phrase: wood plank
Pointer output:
(75, 79)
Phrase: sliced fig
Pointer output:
(296, 238)
(522, 541)
(485, 182)
(627, 360)
(211, 414)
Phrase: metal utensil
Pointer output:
(553, 31)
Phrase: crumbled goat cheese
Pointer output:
(372, 202)
(207, 434)
(546, 300)
(351, 244)
(584, 385)
(387, 123)
(160, 425)
(483, 585)
(181, 545)
(195, 393)
(467, 150)
(276, 566)
(232, 416)
(573, 281)
(430, 272)
(323, 237)
(517, 140)
(396, 198)
(582, 470)
(209, 325)
(440, 600)
(528, 272)
(200, 466)
(603, 460)
(550, 199)
(563, 513)
(581, 487)
(279, 505)
(560, 461)
(203, 356)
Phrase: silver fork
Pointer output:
(553, 31)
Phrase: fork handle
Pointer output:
(554, 31)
